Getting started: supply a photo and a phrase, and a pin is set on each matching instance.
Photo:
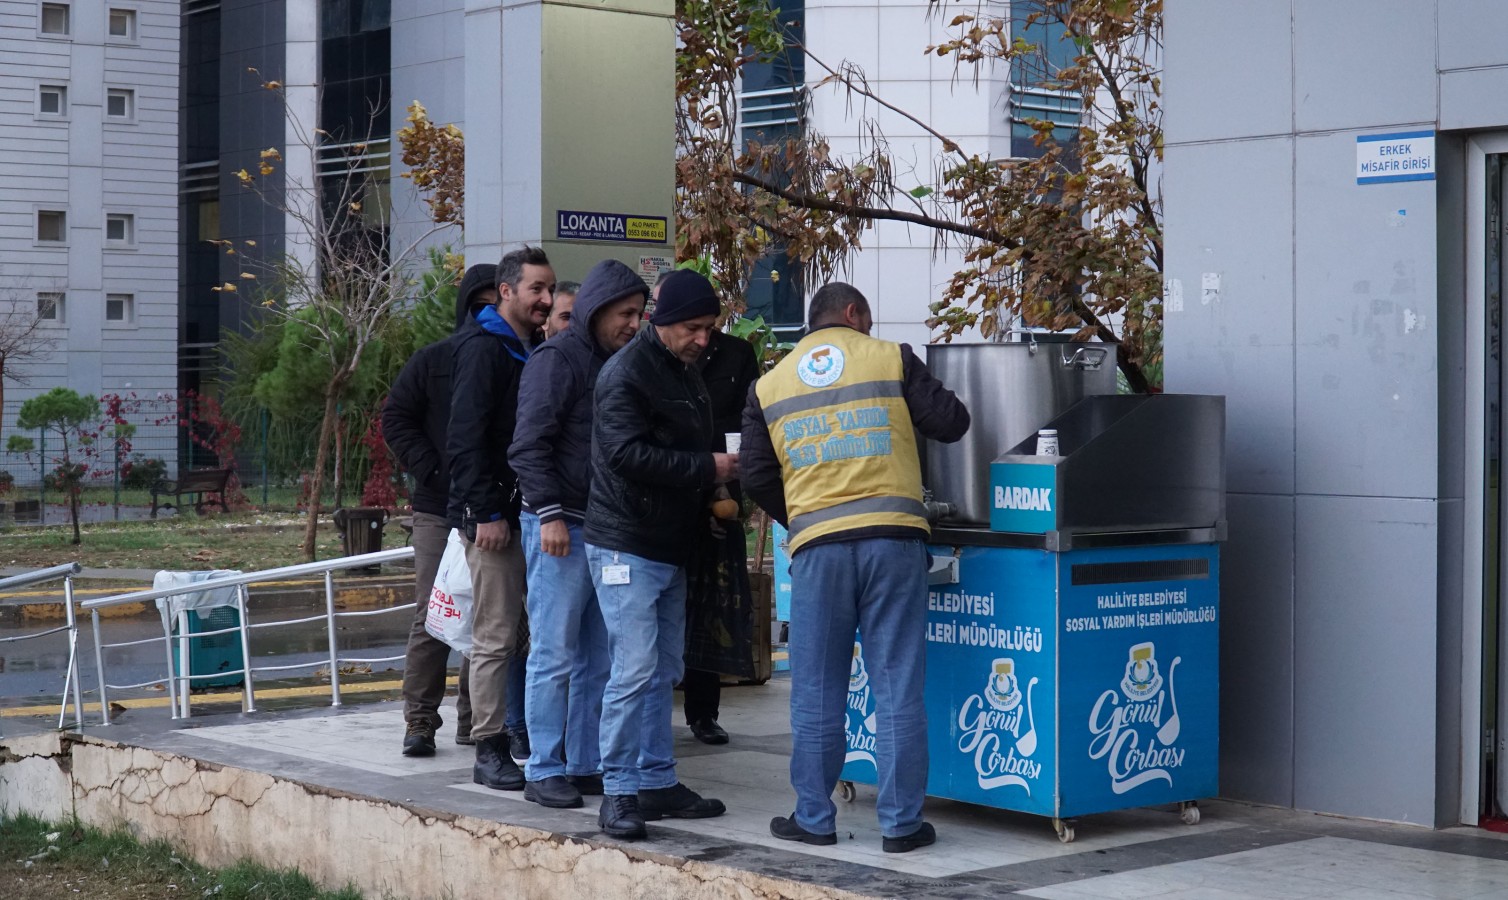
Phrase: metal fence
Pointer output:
(178, 637)
(160, 439)
(71, 688)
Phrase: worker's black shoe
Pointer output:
(620, 817)
(463, 734)
(419, 740)
(494, 767)
(925, 836)
(555, 792)
(708, 731)
(588, 785)
(787, 830)
(518, 744)
(678, 802)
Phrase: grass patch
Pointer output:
(245, 541)
(44, 861)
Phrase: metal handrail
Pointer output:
(179, 685)
(71, 687)
(40, 575)
(313, 568)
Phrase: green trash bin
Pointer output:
(216, 653)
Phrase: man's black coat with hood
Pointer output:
(417, 412)
(483, 409)
(552, 443)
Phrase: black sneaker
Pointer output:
(494, 767)
(463, 735)
(678, 802)
(619, 817)
(518, 744)
(419, 740)
(588, 785)
(708, 731)
(787, 830)
(556, 792)
(925, 836)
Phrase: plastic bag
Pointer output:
(451, 610)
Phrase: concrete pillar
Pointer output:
(570, 109)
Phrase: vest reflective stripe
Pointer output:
(872, 390)
(836, 412)
(853, 507)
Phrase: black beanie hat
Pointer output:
(684, 294)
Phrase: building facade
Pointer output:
(88, 190)
(1334, 232)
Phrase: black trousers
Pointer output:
(702, 692)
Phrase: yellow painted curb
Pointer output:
(347, 597)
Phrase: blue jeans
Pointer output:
(646, 635)
(567, 646)
(878, 586)
(515, 718)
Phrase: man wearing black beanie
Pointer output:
(653, 470)
(414, 422)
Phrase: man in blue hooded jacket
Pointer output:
(551, 454)
(490, 353)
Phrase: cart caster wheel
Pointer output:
(1064, 830)
(847, 791)
(1189, 812)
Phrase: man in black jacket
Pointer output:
(413, 424)
(653, 470)
(551, 452)
(728, 367)
(491, 348)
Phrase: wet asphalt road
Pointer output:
(32, 671)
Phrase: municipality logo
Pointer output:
(1137, 739)
(861, 724)
(821, 366)
(1000, 731)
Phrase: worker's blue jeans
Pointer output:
(646, 636)
(567, 658)
(878, 586)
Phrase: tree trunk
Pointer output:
(3, 370)
(321, 456)
(340, 455)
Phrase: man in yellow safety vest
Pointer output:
(830, 451)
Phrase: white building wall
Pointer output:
(897, 269)
(428, 66)
(91, 165)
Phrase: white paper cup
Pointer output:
(734, 440)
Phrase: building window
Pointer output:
(120, 308)
(120, 228)
(1036, 79)
(52, 226)
(123, 24)
(55, 19)
(50, 306)
(52, 100)
(120, 103)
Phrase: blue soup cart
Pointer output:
(1072, 647)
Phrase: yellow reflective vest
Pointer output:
(841, 429)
